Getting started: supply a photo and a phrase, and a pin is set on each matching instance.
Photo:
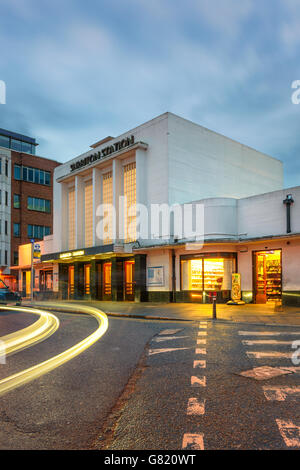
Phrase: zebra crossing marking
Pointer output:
(289, 432)
(193, 442)
(280, 393)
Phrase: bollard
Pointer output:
(214, 308)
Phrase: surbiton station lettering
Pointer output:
(117, 146)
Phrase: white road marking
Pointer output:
(199, 365)
(201, 341)
(193, 442)
(280, 393)
(268, 333)
(195, 407)
(164, 350)
(170, 332)
(264, 372)
(289, 432)
(198, 381)
(291, 369)
(202, 333)
(265, 341)
(263, 354)
(168, 338)
(200, 351)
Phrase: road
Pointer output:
(154, 385)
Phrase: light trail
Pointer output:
(21, 378)
(40, 330)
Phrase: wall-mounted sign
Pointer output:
(105, 152)
(155, 276)
(36, 251)
(71, 254)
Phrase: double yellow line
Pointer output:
(31, 338)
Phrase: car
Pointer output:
(7, 296)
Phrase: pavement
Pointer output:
(249, 313)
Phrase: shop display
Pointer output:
(268, 276)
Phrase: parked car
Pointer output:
(7, 296)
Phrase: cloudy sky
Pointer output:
(79, 70)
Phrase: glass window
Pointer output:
(25, 173)
(17, 201)
(47, 178)
(16, 145)
(41, 205)
(207, 274)
(17, 172)
(5, 227)
(17, 230)
(47, 231)
(6, 167)
(42, 177)
(26, 147)
(36, 176)
(6, 198)
(30, 175)
(30, 204)
(47, 206)
(4, 141)
(30, 231)
(16, 258)
(0, 196)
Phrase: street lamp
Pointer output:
(288, 202)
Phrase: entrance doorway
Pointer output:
(70, 282)
(106, 285)
(129, 280)
(267, 276)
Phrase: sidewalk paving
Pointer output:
(249, 313)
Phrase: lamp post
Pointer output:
(32, 271)
(288, 202)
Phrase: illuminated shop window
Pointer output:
(130, 202)
(207, 274)
(107, 198)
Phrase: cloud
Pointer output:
(225, 16)
(84, 72)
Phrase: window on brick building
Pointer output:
(17, 201)
(17, 230)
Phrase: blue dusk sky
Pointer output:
(77, 71)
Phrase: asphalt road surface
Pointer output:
(155, 385)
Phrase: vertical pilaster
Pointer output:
(79, 211)
(78, 281)
(63, 281)
(114, 279)
(118, 206)
(96, 202)
(93, 279)
(140, 292)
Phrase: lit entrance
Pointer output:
(129, 280)
(70, 282)
(106, 285)
(268, 276)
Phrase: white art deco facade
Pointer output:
(104, 254)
